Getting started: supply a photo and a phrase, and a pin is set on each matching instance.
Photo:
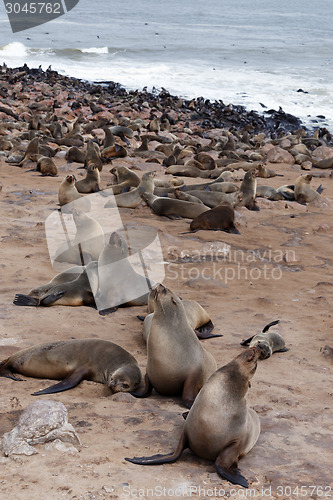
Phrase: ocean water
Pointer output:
(259, 54)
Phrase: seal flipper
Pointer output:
(230, 473)
(267, 327)
(233, 230)
(52, 298)
(247, 341)
(109, 310)
(6, 372)
(203, 332)
(25, 300)
(68, 383)
(169, 458)
(191, 388)
(146, 391)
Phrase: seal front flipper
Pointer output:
(230, 473)
(247, 341)
(68, 383)
(146, 391)
(169, 458)
(192, 386)
(25, 300)
(110, 310)
(6, 372)
(52, 298)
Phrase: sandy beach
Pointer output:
(278, 267)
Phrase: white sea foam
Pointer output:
(95, 50)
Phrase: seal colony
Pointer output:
(236, 156)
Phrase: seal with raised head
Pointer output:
(220, 218)
(303, 191)
(78, 292)
(68, 193)
(132, 199)
(126, 179)
(248, 189)
(220, 426)
(213, 198)
(178, 364)
(90, 184)
(268, 342)
(73, 361)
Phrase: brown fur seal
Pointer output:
(79, 292)
(73, 361)
(90, 184)
(213, 198)
(119, 284)
(269, 193)
(87, 243)
(220, 426)
(46, 166)
(268, 342)
(197, 317)
(64, 277)
(173, 208)
(126, 179)
(219, 218)
(177, 363)
(303, 191)
(248, 189)
(182, 195)
(187, 171)
(31, 151)
(75, 154)
(68, 194)
(93, 155)
(122, 132)
(132, 198)
(266, 173)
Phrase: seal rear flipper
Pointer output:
(25, 300)
(267, 327)
(232, 475)
(169, 458)
(141, 318)
(203, 332)
(68, 383)
(146, 391)
(110, 310)
(5, 372)
(52, 298)
(230, 472)
(283, 349)
(233, 230)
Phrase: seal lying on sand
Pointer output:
(73, 361)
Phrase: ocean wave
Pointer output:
(95, 50)
(15, 49)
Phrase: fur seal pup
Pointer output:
(266, 173)
(268, 342)
(248, 189)
(132, 198)
(303, 191)
(269, 193)
(79, 292)
(220, 426)
(46, 166)
(126, 179)
(173, 208)
(219, 218)
(73, 361)
(90, 184)
(68, 194)
(327, 351)
(182, 195)
(177, 363)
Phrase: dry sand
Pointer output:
(280, 267)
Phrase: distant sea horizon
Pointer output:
(258, 56)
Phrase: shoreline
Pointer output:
(209, 114)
